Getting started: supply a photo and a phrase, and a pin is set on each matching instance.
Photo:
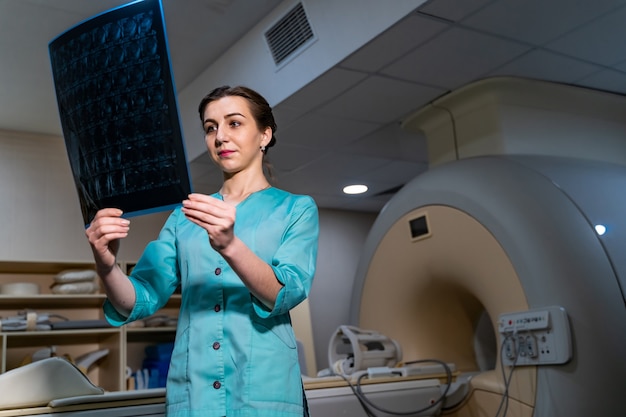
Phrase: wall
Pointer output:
(41, 221)
(342, 235)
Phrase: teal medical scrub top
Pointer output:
(232, 356)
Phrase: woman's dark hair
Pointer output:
(261, 110)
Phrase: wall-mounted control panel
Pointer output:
(535, 337)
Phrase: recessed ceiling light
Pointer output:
(355, 189)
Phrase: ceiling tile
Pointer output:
(394, 43)
(329, 193)
(343, 166)
(310, 181)
(537, 21)
(328, 131)
(621, 66)
(284, 116)
(323, 89)
(391, 142)
(452, 10)
(352, 203)
(370, 205)
(396, 172)
(547, 66)
(289, 157)
(439, 61)
(381, 100)
(601, 41)
(330, 173)
(606, 80)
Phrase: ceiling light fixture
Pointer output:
(355, 189)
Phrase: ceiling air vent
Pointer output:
(289, 34)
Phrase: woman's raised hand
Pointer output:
(104, 234)
(213, 215)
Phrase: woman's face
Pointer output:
(232, 135)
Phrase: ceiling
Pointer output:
(344, 127)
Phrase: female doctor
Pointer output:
(243, 257)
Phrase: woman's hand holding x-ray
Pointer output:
(213, 215)
(104, 234)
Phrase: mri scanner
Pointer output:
(506, 235)
(495, 283)
(507, 258)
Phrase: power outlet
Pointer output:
(535, 337)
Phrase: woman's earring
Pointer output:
(262, 148)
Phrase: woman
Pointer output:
(244, 257)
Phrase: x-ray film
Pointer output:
(118, 111)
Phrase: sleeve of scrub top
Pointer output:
(155, 277)
(294, 261)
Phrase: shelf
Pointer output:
(46, 335)
(139, 330)
(10, 267)
(126, 344)
(51, 300)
